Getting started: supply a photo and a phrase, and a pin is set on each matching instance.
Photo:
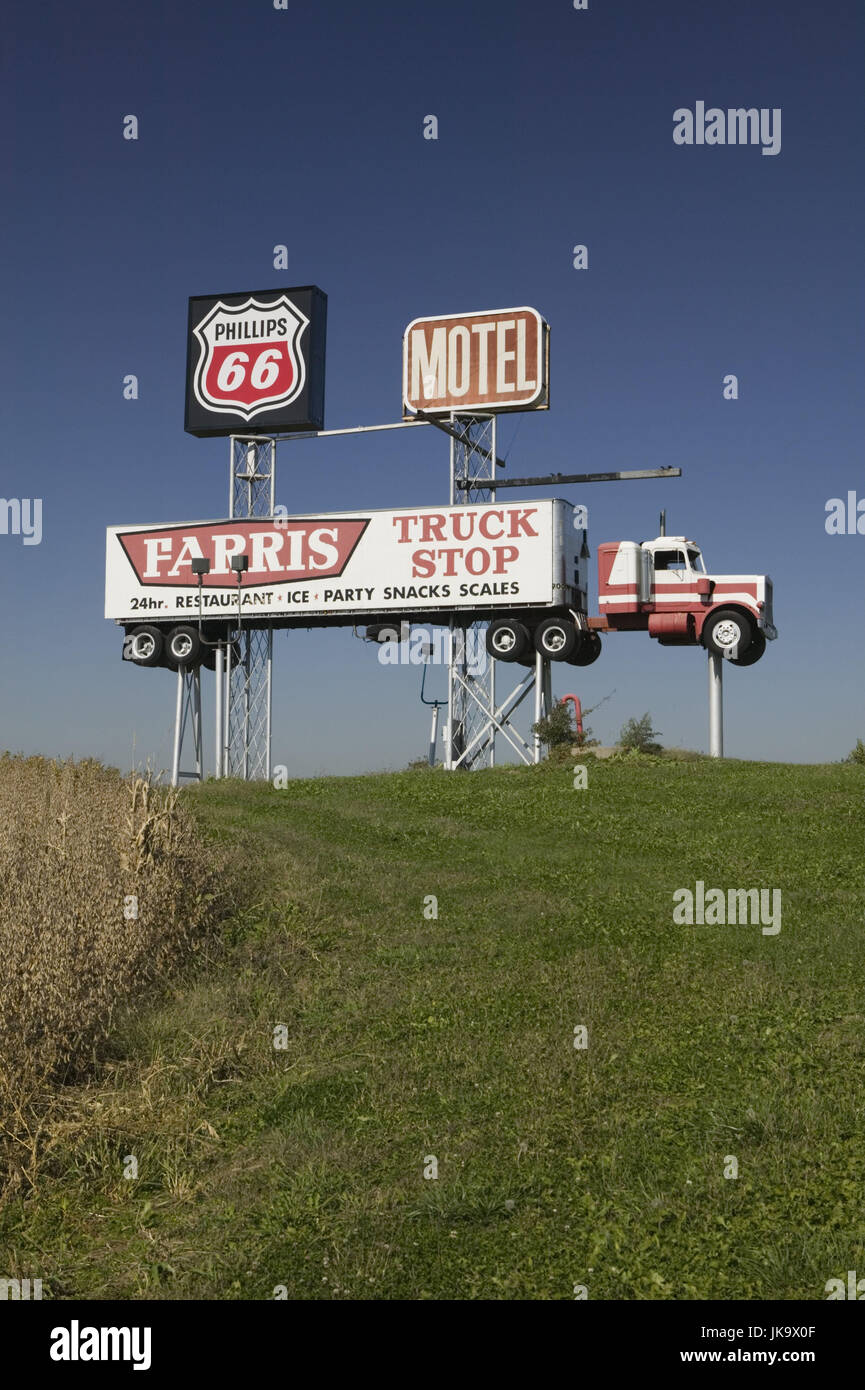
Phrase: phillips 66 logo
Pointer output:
(250, 359)
(255, 361)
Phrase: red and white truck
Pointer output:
(178, 590)
(662, 587)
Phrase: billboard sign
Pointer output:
(255, 362)
(495, 361)
(347, 562)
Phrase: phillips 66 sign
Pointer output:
(491, 361)
(255, 362)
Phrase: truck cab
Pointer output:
(663, 586)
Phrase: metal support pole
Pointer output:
(269, 697)
(194, 685)
(246, 667)
(433, 738)
(219, 691)
(226, 716)
(456, 702)
(491, 686)
(491, 673)
(539, 700)
(626, 475)
(178, 728)
(716, 706)
(188, 707)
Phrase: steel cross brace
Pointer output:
(188, 707)
(499, 718)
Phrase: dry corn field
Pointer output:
(105, 886)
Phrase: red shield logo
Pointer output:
(249, 359)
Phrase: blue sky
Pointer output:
(261, 127)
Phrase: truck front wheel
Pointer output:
(754, 652)
(145, 645)
(507, 639)
(727, 633)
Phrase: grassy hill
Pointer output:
(410, 1037)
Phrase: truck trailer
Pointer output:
(180, 590)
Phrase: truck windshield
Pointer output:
(680, 560)
(669, 559)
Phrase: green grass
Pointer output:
(453, 1037)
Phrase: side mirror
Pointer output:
(704, 586)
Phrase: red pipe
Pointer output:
(578, 711)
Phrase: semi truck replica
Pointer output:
(178, 591)
(662, 586)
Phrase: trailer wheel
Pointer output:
(507, 639)
(588, 650)
(183, 647)
(146, 645)
(726, 632)
(755, 650)
(556, 639)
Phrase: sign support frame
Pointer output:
(188, 708)
(474, 720)
(248, 701)
(716, 705)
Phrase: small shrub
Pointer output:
(557, 733)
(639, 734)
(555, 728)
(858, 753)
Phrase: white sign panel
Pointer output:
(412, 558)
(493, 360)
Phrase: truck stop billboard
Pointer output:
(417, 558)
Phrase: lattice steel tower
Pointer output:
(471, 734)
(249, 663)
